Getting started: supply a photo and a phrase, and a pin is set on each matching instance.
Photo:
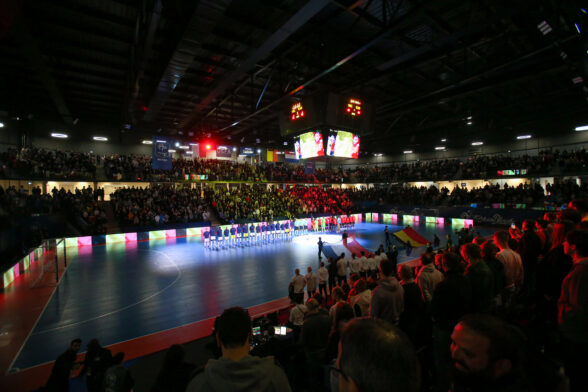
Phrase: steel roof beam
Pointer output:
(311, 8)
(43, 71)
(202, 22)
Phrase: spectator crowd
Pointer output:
(158, 205)
(502, 313)
(37, 163)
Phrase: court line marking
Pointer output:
(38, 319)
(125, 307)
(155, 333)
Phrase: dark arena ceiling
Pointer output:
(191, 68)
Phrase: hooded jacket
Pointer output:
(248, 374)
(387, 300)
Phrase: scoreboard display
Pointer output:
(310, 145)
(350, 113)
(343, 144)
(297, 111)
(353, 107)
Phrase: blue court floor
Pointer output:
(123, 291)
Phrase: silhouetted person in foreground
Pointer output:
(175, 373)
(236, 370)
(375, 356)
(64, 364)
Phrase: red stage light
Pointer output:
(348, 110)
(302, 113)
(144, 108)
(208, 146)
(358, 112)
(293, 117)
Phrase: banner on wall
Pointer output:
(224, 152)
(195, 148)
(247, 151)
(161, 158)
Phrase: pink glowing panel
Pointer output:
(440, 220)
(130, 237)
(16, 270)
(170, 233)
(394, 216)
(415, 218)
(85, 241)
(468, 222)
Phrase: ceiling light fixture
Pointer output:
(171, 150)
(59, 135)
(544, 28)
(234, 148)
(259, 151)
(184, 147)
(469, 123)
(440, 148)
(1, 125)
(522, 137)
(477, 143)
(161, 141)
(147, 142)
(407, 152)
(582, 128)
(188, 152)
(193, 144)
(100, 138)
(443, 140)
(578, 28)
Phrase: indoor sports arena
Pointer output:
(287, 195)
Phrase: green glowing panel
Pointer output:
(157, 235)
(71, 242)
(194, 231)
(114, 238)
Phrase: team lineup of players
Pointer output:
(263, 233)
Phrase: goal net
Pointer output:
(45, 262)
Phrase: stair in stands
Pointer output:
(112, 223)
(214, 221)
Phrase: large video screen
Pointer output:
(310, 145)
(343, 144)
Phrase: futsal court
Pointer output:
(124, 291)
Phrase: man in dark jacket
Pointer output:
(480, 278)
(97, 360)
(313, 339)
(451, 300)
(529, 247)
(388, 297)
(64, 364)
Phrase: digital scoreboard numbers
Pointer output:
(297, 111)
(353, 107)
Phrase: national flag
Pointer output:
(290, 156)
(409, 234)
(272, 156)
